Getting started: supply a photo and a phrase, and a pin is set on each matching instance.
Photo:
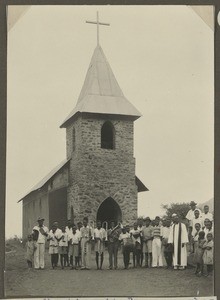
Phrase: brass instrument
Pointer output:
(112, 233)
(120, 224)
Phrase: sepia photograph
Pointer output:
(110, 151)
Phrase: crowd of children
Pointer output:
(152, 243)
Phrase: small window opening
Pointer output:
(107, 136)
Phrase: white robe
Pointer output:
(173, 239)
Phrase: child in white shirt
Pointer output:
(136, 237)
(74, 239)
(63, 247)
(100, 237)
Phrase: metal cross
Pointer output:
(97, 23)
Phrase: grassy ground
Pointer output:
(19, 281)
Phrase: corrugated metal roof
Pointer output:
(101, 92)
(41, 183)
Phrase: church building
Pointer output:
(97, 179)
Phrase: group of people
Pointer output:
(152, 243)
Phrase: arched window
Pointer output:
(74, 139)
(108, 136)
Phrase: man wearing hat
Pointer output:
(40, 233)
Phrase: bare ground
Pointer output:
(19, 281)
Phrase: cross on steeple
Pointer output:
(97, 23)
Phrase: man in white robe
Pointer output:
(179, 238)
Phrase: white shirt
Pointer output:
(74, 237)
(68, 230)
(124, 237)
(64, 240)
(54, 235)
(191, 215)
(134, 232)
(99, 233)
(165, 232)
(86, 232)
(207, 216)
(41, 238)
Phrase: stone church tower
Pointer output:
(99, 143)
(97, 178)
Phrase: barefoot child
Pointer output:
(100, 237)
(208, 254)
(53, 244)
(30, 247)
(63, 247)
(74, 239)
(199, 251)
(195, 236)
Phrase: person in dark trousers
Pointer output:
(113, 244)
(167, 248)
(127, 245)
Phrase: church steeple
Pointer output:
(101, 92)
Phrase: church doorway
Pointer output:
(109, 211)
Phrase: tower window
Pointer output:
(74, 139)
(108, 136)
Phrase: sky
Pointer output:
(163, 60)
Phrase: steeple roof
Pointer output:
(101, 92)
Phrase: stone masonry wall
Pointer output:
(96, 174)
